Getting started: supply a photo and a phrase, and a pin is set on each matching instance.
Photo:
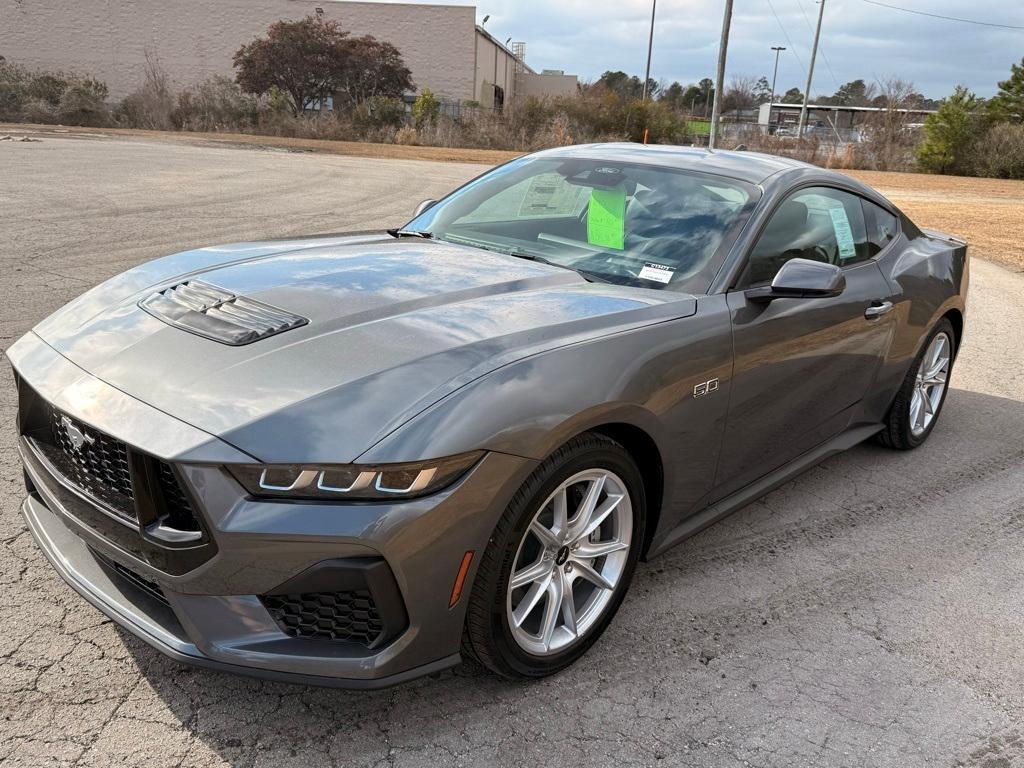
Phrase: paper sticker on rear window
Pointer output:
(844, 235)
(606, 218)
(659, 273)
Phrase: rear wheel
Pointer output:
(916, 408)
(559, 562)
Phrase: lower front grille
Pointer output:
(151, 588)
(348, 616)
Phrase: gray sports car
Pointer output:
(349, 460)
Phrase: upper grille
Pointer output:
(217, 314)
(350, 616)
(100, 465)
(93, 461)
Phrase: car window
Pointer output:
(816, 223)
(882, 227)
(614, 221)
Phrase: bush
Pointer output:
(379, 112)
(13, 90)
(999, 152)
(217, 104)
(426, 108)
(47, 97)
(84, 103)
(152, 105)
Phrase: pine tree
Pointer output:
(1007, 106)
(949, 132)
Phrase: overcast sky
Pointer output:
(587, 37)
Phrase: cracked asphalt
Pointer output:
(868, 614)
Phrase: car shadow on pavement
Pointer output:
(759, 617)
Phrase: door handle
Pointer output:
(877, 309)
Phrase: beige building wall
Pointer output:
(495, 65)
(195, 39)
(541, 85)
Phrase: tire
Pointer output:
(899, 432)
(491, 635)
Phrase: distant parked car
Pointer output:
(350, 460)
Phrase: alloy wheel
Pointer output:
(569, 562)
(930, 384)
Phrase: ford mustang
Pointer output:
(356, 459)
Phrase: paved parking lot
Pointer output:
(867, 614)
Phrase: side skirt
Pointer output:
(698, 522)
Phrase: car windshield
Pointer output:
(615, 222)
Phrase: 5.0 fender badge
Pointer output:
(705, 387)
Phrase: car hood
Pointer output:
(394, 326)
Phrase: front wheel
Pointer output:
(916, 408)
(559, 562)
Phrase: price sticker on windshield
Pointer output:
(659, 273)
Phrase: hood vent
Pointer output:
(219, 315)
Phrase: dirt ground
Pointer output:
(988, 213)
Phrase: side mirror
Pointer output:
(426, 204)
(801, 279)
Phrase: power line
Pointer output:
(946, 18)
(828, 64)
(786, 35)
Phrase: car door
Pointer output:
(801, 365)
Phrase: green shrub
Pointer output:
(426, 108)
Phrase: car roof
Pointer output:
(752, 167)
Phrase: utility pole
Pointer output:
(775, 76)
(810, 72)
(650, 48)
(716, 108)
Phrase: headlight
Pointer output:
(318, 482)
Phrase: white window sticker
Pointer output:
(844, 235)
(659, 273)
(550, 195)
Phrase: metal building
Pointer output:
(193, 39)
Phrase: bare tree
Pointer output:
(888, 143)
(740, 93)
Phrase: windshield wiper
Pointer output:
(588, 276)
(410, 233)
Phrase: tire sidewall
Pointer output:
(913, 441)
(603, 455)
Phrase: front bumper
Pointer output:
(214, 614)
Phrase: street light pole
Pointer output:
(810, 73)
(650, 48)
(775, 75)
(716, 107)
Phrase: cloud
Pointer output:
(588, 37)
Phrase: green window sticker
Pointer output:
(844, 234)
(606, 218)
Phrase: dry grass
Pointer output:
(988, 213)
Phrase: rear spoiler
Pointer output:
(945, 237)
